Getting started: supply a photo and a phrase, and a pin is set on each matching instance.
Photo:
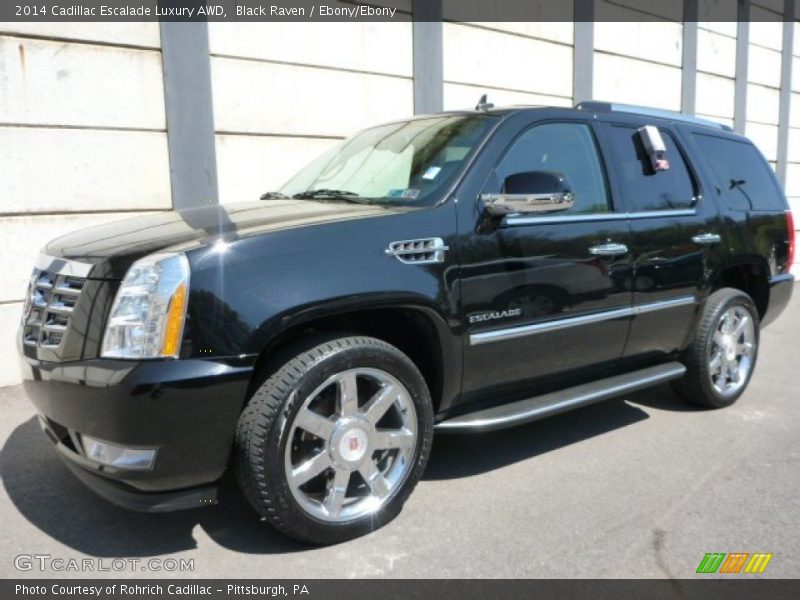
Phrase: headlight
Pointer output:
(146, 320)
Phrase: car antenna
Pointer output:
(483, 104)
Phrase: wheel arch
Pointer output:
(749, 275)
(416, 329)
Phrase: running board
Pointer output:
(538, 407)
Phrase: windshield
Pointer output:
(402, 163)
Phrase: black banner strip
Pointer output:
(735, 587)
(369, 10)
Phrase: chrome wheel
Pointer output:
(351, 445)
(732, 351)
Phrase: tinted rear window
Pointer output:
(643, 188)
(743, 176)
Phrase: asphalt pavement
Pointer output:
(639, 486)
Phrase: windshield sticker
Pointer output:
(407, 194)
(431, 172)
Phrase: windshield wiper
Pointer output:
(273, 196)
(327, 193)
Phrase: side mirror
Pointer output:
(531, 192)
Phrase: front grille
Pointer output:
(48, 306)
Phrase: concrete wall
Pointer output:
(764, 79)
(639, 63)
(488, 58)
(716, 71)
(83, 132)
(793, 162)
(82, 142)
(275, 94)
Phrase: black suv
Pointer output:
(458, 272)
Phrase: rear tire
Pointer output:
(331, 445)
(722, 356)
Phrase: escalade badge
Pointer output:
(494, 315)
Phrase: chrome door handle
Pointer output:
(608, 250)
(707, 239)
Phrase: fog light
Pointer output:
(118, 456)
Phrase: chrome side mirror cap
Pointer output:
(531, 192)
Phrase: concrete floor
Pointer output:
(639, 486)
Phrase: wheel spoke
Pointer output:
(745, 349)
(715, 362)
(733, 369)
(310, 421)
(337, 489)
(348, 394)
(310, 468)
(380, 403)
(375, 480)
(740, 327)
(391, 439)
(723, 375)
(718, 338)
(727, 322)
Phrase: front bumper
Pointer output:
(124, 495)
(186, 409)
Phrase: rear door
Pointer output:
(675, 231)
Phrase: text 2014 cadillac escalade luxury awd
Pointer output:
(456, 272)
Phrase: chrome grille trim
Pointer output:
(51, 299)
(60, 289)
(59, 308)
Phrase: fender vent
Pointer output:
(424, 251)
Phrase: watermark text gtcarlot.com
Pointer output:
(48, 563)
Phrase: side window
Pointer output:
(644, 189)
(741, 172)
(567, 148)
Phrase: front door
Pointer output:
(546, 294)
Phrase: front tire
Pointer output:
(721, 359)
(332, 444)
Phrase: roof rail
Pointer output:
(649, 112)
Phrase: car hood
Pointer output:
(113, 247)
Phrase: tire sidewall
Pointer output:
(385, 358)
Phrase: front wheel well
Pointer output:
(752, 279)
(409, 330)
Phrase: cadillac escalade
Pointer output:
(457, 272)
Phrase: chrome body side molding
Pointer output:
(517, 413)
(641, 309)
(511, 333)
(650, 214)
